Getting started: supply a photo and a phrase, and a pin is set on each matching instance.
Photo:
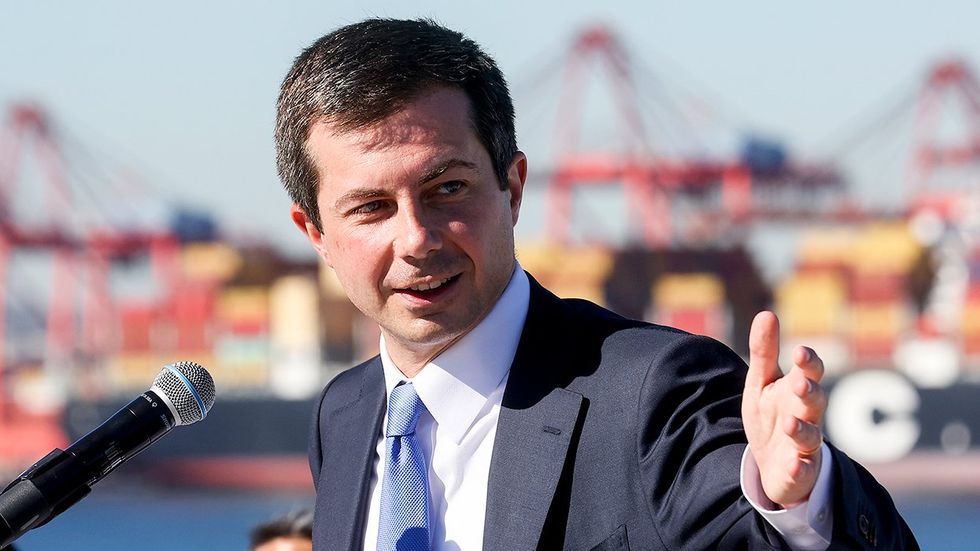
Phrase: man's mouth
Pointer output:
(431, 289)
(430, 286)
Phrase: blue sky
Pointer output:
(183, 92)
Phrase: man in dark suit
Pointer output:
(499, 416)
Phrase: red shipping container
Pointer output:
(194, 335)
(877, 287)
(700, 321)
(973, 292)
(971, 346)
(872, 351)
(135, 325)
(194, 302)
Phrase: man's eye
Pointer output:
(367, 208)
(449, 188)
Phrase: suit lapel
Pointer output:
(537, 422)
(351, 440)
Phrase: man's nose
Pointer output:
(417, 235)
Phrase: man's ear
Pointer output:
(516, 176)
(310, 230)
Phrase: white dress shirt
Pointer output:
(462, 390)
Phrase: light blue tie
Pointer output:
(404, 519)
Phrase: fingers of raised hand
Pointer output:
(806, 437)
(791, 471)
(807, 359)
(808, 400)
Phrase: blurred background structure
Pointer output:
(141, 222)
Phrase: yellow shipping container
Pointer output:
(579, 290)
(813, 287)
(579, 263)
(569, 272)
(244, 303)
(589, 263)
(688, 291)
(880, 321)
(132, 370)
(539, 258)
(970, 321)
(240, 375)
(294, 315)
(877, 247)
(826, 246)
(812, 304)
(885, 247)
(209, 261)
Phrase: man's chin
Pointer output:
(428, 336)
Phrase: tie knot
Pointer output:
(404, 408)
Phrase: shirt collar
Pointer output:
(455, 385)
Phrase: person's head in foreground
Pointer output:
(292, 532)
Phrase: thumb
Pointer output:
(763, 351)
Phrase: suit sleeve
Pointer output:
(314, 446)
(690, 441)
(865, 516)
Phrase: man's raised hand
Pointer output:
(783, 414)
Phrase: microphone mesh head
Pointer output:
(189, 387)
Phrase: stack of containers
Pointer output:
(139, 334)
(694, 302)
(294, 329)
(812, 302)
(157, 330)
(193, 319)
(881, 310)
(242, 347)
(205, 267)
(848, 296)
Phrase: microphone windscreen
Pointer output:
(189, 388)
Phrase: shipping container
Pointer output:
(812, 304)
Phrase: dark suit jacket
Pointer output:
(613, 434)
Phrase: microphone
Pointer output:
(181, 394)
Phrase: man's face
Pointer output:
(414, 221)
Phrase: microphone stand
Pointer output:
(23, 503)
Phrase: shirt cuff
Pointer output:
(807, 526)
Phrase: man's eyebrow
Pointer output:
(355, 196)
(437, 171)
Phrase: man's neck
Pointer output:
(410, 364)
(410, 360)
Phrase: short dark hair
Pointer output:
(298, 524)
(363, 73)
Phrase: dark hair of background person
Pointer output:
(298, 524)
(360, 74)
